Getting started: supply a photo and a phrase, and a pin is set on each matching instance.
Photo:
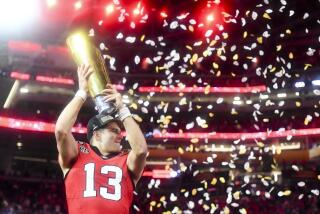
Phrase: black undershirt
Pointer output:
(110, 155)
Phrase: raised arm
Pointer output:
(66, 144)
(137, 156)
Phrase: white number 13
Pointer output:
(115, 182)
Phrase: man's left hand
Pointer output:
(111, 94)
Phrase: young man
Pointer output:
(99, 178)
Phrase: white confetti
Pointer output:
(315, 191)
(130, 39)
(173, 197)
(219, 100)
(190, 125)
(283, 2)
(208, 33)
(291, 13)
(137, 60)
(295, 167)
(174, 25)
(254, 15)
(306, 15)
(102, 46)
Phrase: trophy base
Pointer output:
(105, 108)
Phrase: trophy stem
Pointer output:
(103, 107)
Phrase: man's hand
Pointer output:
(111, 94)
(84, 72)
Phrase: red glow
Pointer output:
(24, 76)
(147, 174)
(24, 46)
(26, 125)
(40, 126)
(119, 87)
(157, 173)
(210, 18)
(236, 136)
(61, 50)
(109, 9)
(249, 89)
(19, 75)
(55, 80)
(138, 10)
(78, 5)
(163, 14)
(31, 125)
(51, 3)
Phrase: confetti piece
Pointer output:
(295, 168)
(266, 16)
(214, 181)
(243, 211)
(130, 39)
(222, 180)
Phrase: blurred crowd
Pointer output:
(28, 195)
(45, 196)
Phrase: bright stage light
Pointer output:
(299, 84)
(136, 11)
(237, 102)
(51, 3)
(17, 14)
(78, 5)
(163, 14)
(210, 18)
(264, 96)
(316, 82)
(109, 8)
(281, 95)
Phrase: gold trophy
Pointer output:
(84, 52)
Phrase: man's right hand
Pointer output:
(84, 72)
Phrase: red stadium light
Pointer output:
(78, 5)
(109, 9)
(19, 75)
(249, 89)
(138, 10)
(24, 76)
(51, 3)
(237, 136)
(158, 173)
(119, 87)
(26, 125)
(210, 18)
(40, 126)
(24, 46)
(31, 125)
(55, 80)
(163, 14)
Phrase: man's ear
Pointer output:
(97, 135)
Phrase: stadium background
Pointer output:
(226, 92)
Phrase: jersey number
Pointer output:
(115, 182)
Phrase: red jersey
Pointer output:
(96, 185)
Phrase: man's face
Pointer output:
(110, 137)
